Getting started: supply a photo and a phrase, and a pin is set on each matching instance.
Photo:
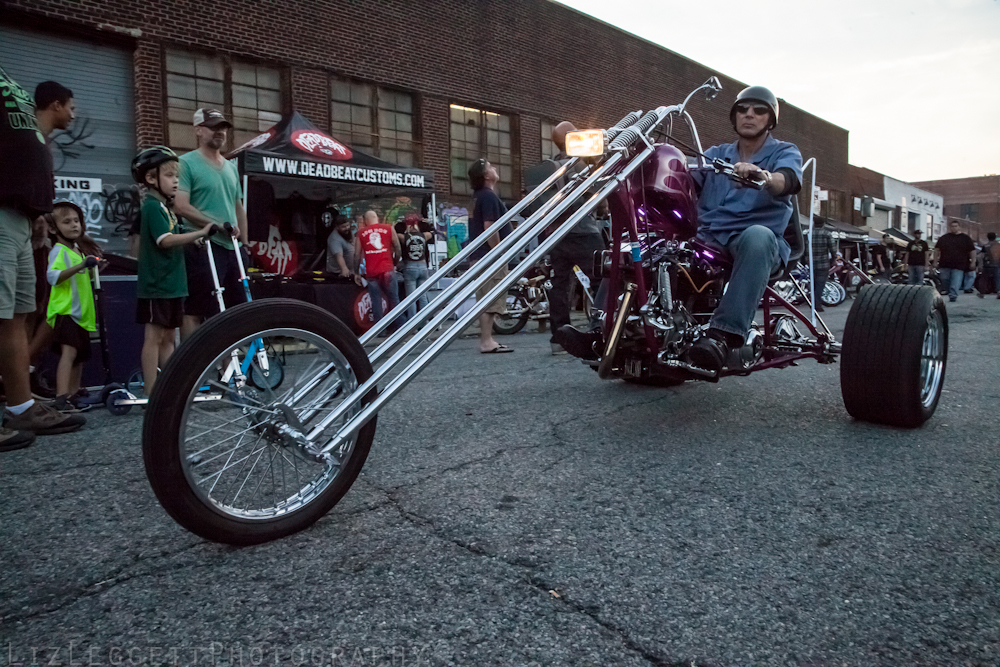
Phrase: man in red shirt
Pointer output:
(377, 245)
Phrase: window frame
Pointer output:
(507, 189)
(226, 61)
(377, 93)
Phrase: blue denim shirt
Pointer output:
(726, 209)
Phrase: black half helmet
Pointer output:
(756, 94)
(150, 158)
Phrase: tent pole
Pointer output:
(434, 221)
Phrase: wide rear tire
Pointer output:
(894, 355)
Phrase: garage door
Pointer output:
(91, 158)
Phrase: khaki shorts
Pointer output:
(498, 307)
(17, 265)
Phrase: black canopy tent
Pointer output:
(296, 156)
(290, 174)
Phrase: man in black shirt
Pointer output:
(26, 192)
(954, 254)
(486, 210)
(880, 257)
(916, 258)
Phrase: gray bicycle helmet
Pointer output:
(150, 158)
(756, 94)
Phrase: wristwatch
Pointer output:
(767, 178)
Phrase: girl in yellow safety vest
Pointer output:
(71, 303)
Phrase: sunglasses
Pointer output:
(758, 109)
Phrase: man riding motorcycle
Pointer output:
(742, 224)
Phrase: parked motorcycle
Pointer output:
(527, 300)
(262, 463)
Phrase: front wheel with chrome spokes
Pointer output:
(242, 464)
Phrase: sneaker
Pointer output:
(708, 353)
(969, 291)
(68, 404)
(43, 419)
(579, 343)
(11, 440)
(557, 349)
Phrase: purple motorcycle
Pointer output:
(242, 464)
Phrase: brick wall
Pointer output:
(528, 58)
(147, 65)
(981, 190)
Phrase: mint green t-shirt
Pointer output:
(214, 191)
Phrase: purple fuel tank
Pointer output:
(666, 201)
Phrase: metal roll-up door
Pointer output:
(92, 157)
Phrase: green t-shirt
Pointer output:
(213, 191)
(73, 296)
(162, 274)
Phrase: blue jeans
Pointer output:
(970, 280)
(414, 275)
(755, 257)
(387, 285)
(953, 279)
(916, 275)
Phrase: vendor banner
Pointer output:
(281, 166)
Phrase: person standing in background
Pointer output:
(377, 245)
(916, 258)
(824, 249)
(27, 190)
(209, 193)
(415, 258)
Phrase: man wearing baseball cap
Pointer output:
(916, 258)
(209, 192)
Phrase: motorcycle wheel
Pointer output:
(834, 294)
(223, 458)
(518, 310)
(894, 355)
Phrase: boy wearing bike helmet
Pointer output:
(162, 275)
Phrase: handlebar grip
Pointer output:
(91, 262)
(213, 230)
(228, 226)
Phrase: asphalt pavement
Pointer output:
(517, 510)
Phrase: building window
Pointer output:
(480, 134)
(376, 120)
(548, 146)
(969, 211)
(249, 95)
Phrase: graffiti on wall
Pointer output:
(71, 143)
(108, 211)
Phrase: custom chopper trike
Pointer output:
(256, 464)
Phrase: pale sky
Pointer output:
(916, 82)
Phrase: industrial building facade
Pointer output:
(426, 84)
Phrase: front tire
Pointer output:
(894, 355)
(223, 457)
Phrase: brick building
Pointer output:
(428, 84)
(974, 201)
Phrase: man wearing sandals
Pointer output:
(486, 210)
